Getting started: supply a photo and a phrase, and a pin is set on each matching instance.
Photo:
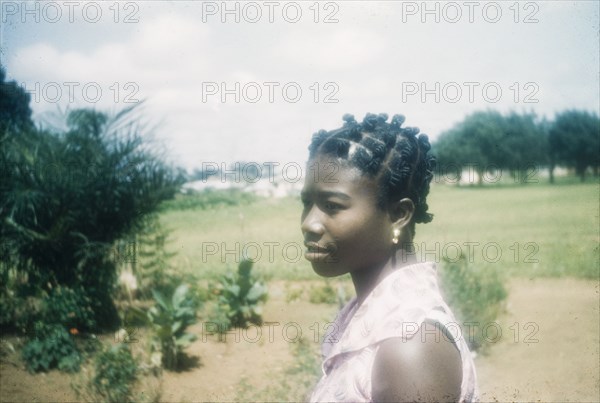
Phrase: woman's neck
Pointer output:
(366, 280)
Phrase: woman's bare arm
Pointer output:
(425, 368)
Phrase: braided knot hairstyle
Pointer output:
(396, 157)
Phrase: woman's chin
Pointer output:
(325, 269)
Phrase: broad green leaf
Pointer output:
(180, 295)
(160, 299)
(245, 267)
(256, 292)
(234, 289)
(185, 340)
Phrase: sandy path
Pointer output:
(560, 362)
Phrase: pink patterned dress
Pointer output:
(395, 308)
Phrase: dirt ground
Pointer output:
(555, 355)
(548, 350)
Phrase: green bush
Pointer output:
(52, 347)
(21, 307)
(293, 294)
(62, 312)
(68, 193)
(323, 294)
(71, 308)
(21, 313)
(209, 199)
(8, 307)
(115, 373)
(170, 318)
(240, 298)
(474, 295)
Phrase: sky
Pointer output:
(252, 81)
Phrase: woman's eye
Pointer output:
(332, 206)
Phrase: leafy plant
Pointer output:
(293, 294)
(170, 317)
(475, 296)
(241, 296)
(71, 308)
(151, 264)
(52, 347)
(19, 314)
(115, 373)
(323, 294)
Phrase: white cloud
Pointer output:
(343, 49)
(151, 54)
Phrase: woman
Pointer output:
(396, 341)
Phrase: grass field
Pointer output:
(524, 230)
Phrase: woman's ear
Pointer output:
(401, 212)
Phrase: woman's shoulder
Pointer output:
(426, 367)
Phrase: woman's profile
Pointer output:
(365, 190)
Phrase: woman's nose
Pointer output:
(312, 223)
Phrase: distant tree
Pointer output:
(67, 196)
(574, 141)
(199, 174)
(475, 142)
(236, 172)
(489, 141)
(15, 113)
(452, 155)
(524, 145)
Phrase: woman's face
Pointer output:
(344, 230)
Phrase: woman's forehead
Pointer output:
(328, 173)
(329, 169)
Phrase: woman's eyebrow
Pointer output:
(329, 193)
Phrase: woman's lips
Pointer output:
(317, 253)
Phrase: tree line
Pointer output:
(490, 141)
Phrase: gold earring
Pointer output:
(396, 237)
